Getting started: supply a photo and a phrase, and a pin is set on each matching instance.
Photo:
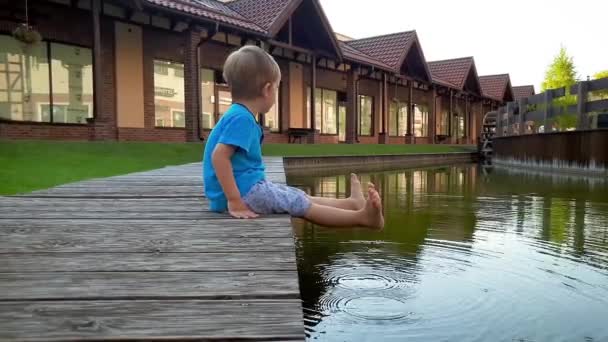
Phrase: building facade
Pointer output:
(151, 70)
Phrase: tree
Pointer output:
(562, 73)
(601, 94)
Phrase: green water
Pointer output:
(468, 254)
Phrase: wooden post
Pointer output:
(383, 136)
(547, 109)
(467, 119)
(98, 93)
(410, 113)
(499, 116)
(523, 108)
(313, 107)
(451, 116)
(433, 116)
(192, 84)
(351, 106)
(510, 120)
(581, 106)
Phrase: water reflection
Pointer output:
(467, 254)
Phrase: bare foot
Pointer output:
(373, 216)
(356, 194)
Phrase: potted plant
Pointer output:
(27, 34)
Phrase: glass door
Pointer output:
(342, 122)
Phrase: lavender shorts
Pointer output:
(270, 198)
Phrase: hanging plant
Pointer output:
(25, 32)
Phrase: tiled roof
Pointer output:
(355, 55)
(451, 71)
(390, 49)
(263, 13)
(494, 86)
(520, 92)
(209, 9)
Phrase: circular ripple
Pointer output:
(365, 282)
(376, 308)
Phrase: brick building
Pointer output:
(151, 70)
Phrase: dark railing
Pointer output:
(523, 116)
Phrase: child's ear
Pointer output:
(267, 89)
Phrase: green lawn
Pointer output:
(31, 165)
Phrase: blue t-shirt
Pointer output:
(237, 128)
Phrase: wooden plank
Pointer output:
(537, 115)
(114, 214)
(99, 241)
(149, 319)
(76, 204)
(537, 99)
(275, 226)
(597, 106)
(601, 84)
(147, 262)
(148, 285)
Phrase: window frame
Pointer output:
(321, 113)
(372, 116)
(154, 59)
(399, 106)
(47, 45)
(425, 123)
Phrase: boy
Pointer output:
(232, 165)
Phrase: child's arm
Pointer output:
(220, 159)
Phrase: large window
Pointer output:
(326, 110)
(207, 98)
(366, 115)
(271, 119)
(397, 124)
(169, 94)
(442, 123)
(421, 120)
(212, 87)
(25, 82)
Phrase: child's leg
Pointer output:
(369, 216)
(356, 201)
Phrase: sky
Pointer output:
(516, 37)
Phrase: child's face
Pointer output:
(269, 94)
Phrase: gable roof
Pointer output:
(497, 87)
(354, 55)
(524, 91)
(272, 15)
(209, 9)
(453, 71)
(392, 49)
(264, 13)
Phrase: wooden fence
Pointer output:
(521, 117)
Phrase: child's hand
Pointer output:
(238, 209)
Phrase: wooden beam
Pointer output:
(138, 5)
(313, 86)
(290, 32)
(290, 47)
(98, 91)
(351, 106)
(173, 23)
(581, 110)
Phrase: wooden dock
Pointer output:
(140, 257)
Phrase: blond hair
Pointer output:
(248, 69)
